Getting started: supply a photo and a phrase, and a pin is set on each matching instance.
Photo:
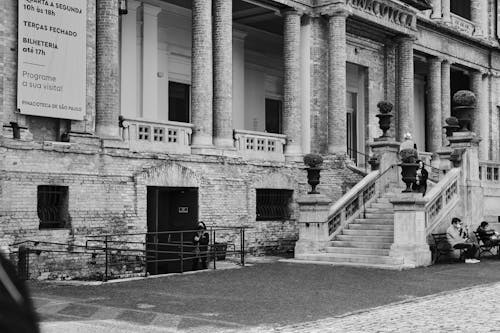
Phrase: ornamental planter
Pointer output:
(451, 126)
(408, 174)
(384, 117)
(465, 105)
(313, 161)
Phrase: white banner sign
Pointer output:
(51, 80)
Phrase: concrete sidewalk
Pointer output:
(261, 297)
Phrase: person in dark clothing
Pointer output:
(200, 242)
(17, 314)
(489, 237)
(421, 177)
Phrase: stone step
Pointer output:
(383, 200)
(351, 258)
(359, 244)
(382, 205)
(367, 239)
(348, 264)
(371, 226)
(357, 250)
(376, 210)
(374, 221)
(379, 215)
(368, 232)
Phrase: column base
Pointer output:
(224, 143)
(208, 150)
(337, 150)
(413, 255)
(305, 247)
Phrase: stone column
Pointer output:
(337, 127)
(129, 54)
(150, 62)
(478, 14)
(223, 79)
(477, 88)
(406, 86)
(291, 104)
(201, 73)
(480, 117)
(434, 116)
(445, 9)
(436, 9)
(108, 69)
(238, 77)
(445, 95)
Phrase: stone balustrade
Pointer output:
(488, 171)
(441, 199)
(167, 137)
(259, 145)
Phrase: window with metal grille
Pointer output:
(52, 206)
(273, 204)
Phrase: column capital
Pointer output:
(291, 11)
(150, 9)
(336, 11)
(405, 38)
(239, 34)
(434, 59)
(133, 4)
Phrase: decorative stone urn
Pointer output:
(464, 105)
(313, 161)
(451, 125)
(409, 155)
(384, 117)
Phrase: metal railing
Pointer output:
(362, 162)
(113, 256)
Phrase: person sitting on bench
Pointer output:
(459, 239)
(489, 237)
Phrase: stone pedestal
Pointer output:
(313, 223)
(467, 145)
(442, 159)
(387, 153)
(410, 237)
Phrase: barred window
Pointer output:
(273, 204)
(52, 206)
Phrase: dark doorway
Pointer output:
(171, 209)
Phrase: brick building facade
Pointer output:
(225, 97)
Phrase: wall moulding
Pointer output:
(385, 11)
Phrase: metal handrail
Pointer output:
(146, 251)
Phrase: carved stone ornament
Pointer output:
(419, 4)
(386, 11)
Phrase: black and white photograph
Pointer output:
(249, 166)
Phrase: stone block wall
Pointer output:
(107, 194)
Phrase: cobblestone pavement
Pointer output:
(474, 309)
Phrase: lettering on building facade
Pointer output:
(385, 11)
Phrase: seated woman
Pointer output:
(421, 176)
(489, 237)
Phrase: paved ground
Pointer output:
(282, 297)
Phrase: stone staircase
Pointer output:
(364, 242)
